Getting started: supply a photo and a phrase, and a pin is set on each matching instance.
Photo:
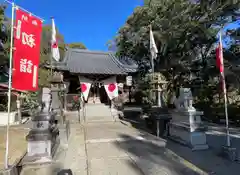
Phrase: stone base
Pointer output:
(31, 160)
(230, 153)
(194, 140)
(199, 147)
(51, 168)
(198, 141)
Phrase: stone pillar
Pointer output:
(197, 131)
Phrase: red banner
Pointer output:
(27, 38)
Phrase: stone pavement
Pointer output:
(112, 148)
(209, 161)
(75, 157)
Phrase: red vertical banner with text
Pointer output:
(27, 38)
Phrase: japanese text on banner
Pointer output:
(26, 51)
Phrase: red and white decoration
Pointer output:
(55, 50)
(85, 86)
(111, 87)
(219, 56)
(220, 63)
(27, 40)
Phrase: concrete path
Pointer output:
(76, 158)
(115, 149)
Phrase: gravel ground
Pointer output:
(17, 144)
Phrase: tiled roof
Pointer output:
(93, 62)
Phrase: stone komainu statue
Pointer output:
(184, 101)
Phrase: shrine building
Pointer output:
(96, 66)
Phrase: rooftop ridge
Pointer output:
(89, 51)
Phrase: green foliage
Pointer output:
(182, 31)
(185, 35)
(46, 44)
(76, 45)
(30, 100)
(4, 36)
(45, 54)
(143, 94)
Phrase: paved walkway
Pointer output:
(115, 149)
(208, 160)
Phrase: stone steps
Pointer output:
(98, 113)
(94, 113)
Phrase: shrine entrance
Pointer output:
(98, 94)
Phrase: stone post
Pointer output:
(197, 131)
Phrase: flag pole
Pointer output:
(155, 95)
(152, 62)
(226, 112)
(9, 87)
(25, 10)
(51, 57)
(225, 94)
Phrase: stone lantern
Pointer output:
(159, 85)
(43, 137)
(58, 91)
(57, 96)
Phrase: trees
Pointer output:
(77, 45)
(182, 30)
(45, 53)
(4, 36)
(185, 34)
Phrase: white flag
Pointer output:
(85, 86)
(55, 50)
(111, 87)
(153, 47)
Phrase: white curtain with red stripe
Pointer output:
(85, 86)
(111, 87)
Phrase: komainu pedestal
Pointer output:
(190, 119)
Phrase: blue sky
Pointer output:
(227, 39)
(92, 22)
